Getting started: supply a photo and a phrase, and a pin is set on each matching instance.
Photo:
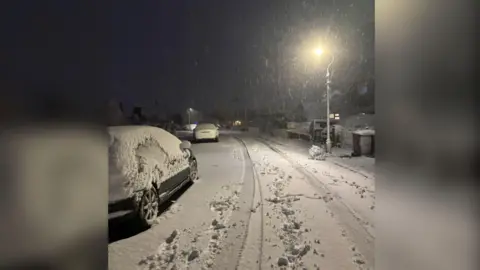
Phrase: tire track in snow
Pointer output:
(255, 205)
(233, 247)
(361, 235)
(292, 243)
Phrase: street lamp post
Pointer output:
(328, 143)
(189, 111)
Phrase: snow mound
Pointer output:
(317, 153)
(145, 155)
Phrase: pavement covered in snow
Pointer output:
(298, 220)
(257, 205)
(340, 156)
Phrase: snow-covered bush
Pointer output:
(317, 153)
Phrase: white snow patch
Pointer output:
(166, 255)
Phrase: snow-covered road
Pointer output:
(256, 207)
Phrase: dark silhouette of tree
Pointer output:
(137, 116)
(222, 115)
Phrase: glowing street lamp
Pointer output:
(319, 52)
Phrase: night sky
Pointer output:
(183, 53)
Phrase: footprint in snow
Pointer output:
(172, 236)
(193, 255)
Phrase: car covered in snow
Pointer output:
(147, 165)
(206, 131)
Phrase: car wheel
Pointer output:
(148, 207)
(193, 170)
(216, 139)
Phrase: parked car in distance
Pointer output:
(190, 127)
(206, 131)
(147, 165)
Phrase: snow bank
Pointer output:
(137, 153)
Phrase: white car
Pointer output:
(206, 131)
(147, 165)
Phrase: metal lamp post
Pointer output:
(328, 144)
(189, 115)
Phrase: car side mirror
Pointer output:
(185, 145)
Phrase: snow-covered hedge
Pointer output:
(137, 153)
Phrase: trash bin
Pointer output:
(356, 144)
(363, 142)
(373, 146)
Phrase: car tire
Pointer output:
(217, 139)
(193, 170)
(148, 207)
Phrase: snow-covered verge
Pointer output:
(298, 229)
(145, 155)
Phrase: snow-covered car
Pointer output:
(206, 131)
(146, 166)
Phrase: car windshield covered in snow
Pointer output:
(205, 126)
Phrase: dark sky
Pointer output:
(183, 53)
